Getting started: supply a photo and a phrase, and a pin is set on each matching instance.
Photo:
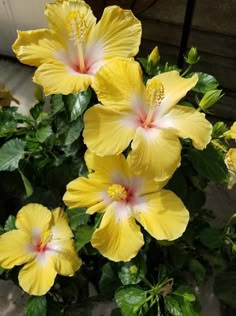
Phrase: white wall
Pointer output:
(21, 15)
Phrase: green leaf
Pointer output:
(109, 281)
(198, 270)
(205, 82)
(8, 121)
(186, 292)
(209, 163)
(57, 103)
(74, 131)
(36, 306)
(173, 306)
(43, 133)
(77, 217)
(78, 103)
(129, 299)
(10, 223)
(225, 287)
(133, 271)
(10, 154)
(28, 187)
(2, 270)
(83, 236)
(36, 110)
(211, 237)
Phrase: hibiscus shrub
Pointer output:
(107, 186)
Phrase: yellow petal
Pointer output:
(36, 47)
(230, 161)
(60, 228)
(119, 83)
(163, 215)
(110, 166)
(188, 123)
(118, 33)
(175, 88)
(118, 238)
(37, 276)
(66, 259)
(83, 192)
(33, 218)
(155, 152)
(107, 131)
(13, 245)
(59, 78)
(58, 14)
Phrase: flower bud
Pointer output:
(154, 57)
(210, 98)
(192, 57)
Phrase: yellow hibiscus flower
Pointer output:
(70, 52)
(147, 116)
(43, 242)
(124, 198)
(230, 161)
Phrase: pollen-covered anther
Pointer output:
(117, 192)
(76, 26)
(155, 93)
(45, 238)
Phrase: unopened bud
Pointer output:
(192, 57)
(133, 269)
(210, 98)
(154, 57)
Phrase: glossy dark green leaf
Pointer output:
(36, 110)
(205, 82)
(109, 281)
(129, 299)
(132, 272)
(83, 236)
(74, 131)
(11, 153)
(36, 306)
(10, 223)
(186, 292)
(198, 270)
(57, 103)
(43, 133)
(77, 103)
(209, 163)
(172, 305)
(77, 217)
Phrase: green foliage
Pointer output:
(10, 223)
(109, 281)
(209, 163)
(212, 238)
(11, 153)
(36, 306)
(83, 236)
(77, 217)
(41, 153)
(129, 299)
(205, 82)
(132, 272)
